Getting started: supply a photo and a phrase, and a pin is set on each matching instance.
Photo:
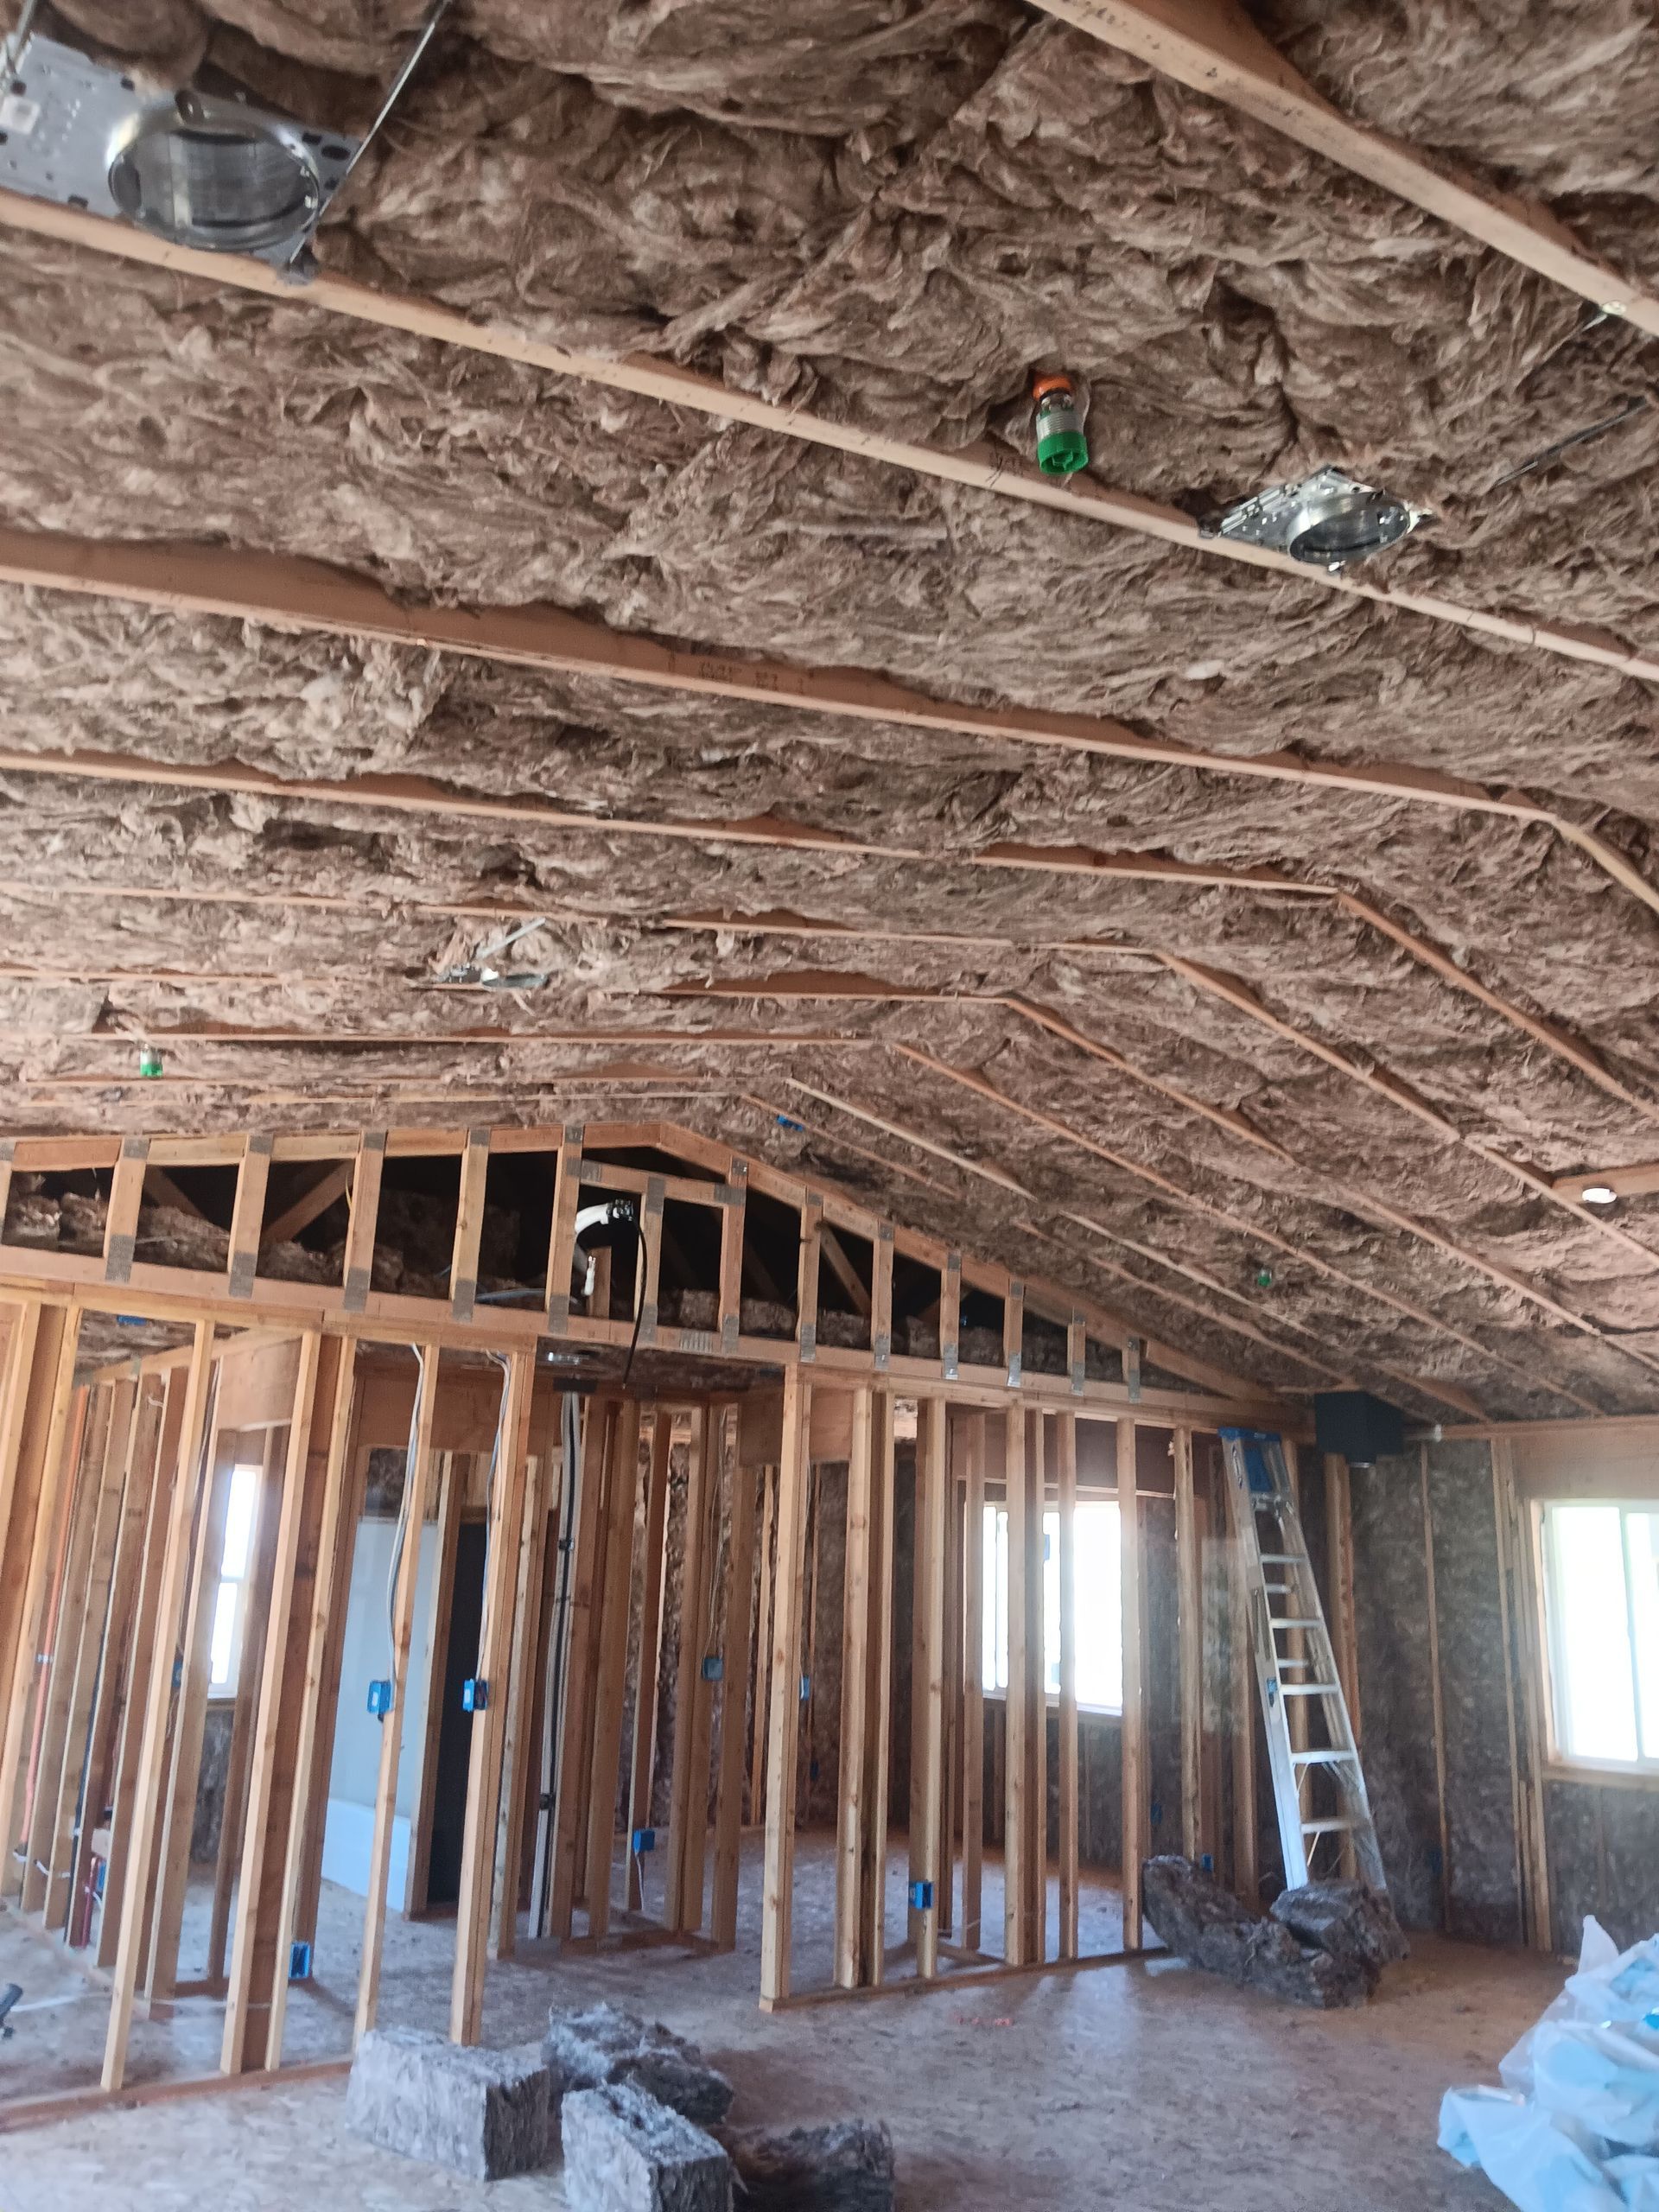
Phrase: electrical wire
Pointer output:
(552, 1718)
(11, 49)
(403, 1505)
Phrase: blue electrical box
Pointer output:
(806, 1688)
(474, 1693)
(921, 1895)
(713, 1667)
(380, 1698)
(641, 1840)
(299, 1962)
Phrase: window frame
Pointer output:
(1561, 1765)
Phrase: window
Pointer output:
(229, 1606)
(1099, 1605)
(1602, 1611)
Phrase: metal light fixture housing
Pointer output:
(220, 174)
(1325, 520)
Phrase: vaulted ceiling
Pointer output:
(1163, 1026)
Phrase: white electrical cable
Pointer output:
(11, 49)
(404, 1502)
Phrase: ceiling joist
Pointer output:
(1212, 47)
(982, 466)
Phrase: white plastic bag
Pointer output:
(1575, 2127)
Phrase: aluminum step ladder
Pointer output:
(1324, 1814)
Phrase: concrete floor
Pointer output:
(1148, 2086)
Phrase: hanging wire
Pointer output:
(552, 1718)
(11, 52)
(404, 1508)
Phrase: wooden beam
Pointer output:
(61, 1794)
(1432, 1618)
(262, 1569)
(187, 1478)
(585, 1534)
(1025, 1653)
(777, 1909)
(562, 1239)
(524, 1749)
(115, 1658)
(806, 1293)
(610, 1684)
(882, 1297)
(986, 466)
(1137, 1766)
(1189, 1580)
(280, 590)
(694, 1707)
(851, 1809)
(735, 1660)
(1246, 1838)
(1069, 1808)
(1354, 1199)
(1191, 1202)
(364, 1214)
(252, 1177)
(469, 1225)
(951, 1316)
(835, 1253)
(929, 1752)
(729, 1303)
(973, 1694)
(49, 1451)
(189, 1725)
(1339, 1584)
(1212, 47)
(1236, 994)
(416, 1484)
(273, 1760)
(762, 1647)
(643, 1770)
(130, 1728)
(478, 1850)
(126, 1198)
(316, 1689)
(334, 1183)
(58, 1636)
(1517, 1559)
(878, 1704)
(417, 1882)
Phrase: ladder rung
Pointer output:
(1324, 1758)
(1309, 1689)
(1280, 1620)
(1328, 1827)
(1284, 1559)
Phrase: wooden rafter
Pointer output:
(1212, 47)
(1640, 1181)
(1256, 1232)
(1238, 1125)
(1551, 1035)
(278, 590)
(983, 466)
(1446, 1393)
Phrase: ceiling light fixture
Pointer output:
(1598, 1194)
(1325, 520)
(211, 172)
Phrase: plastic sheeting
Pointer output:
(1575, 2126)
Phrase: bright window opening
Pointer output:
(230, 1604)
(1602, 1607)
(1099, 1605)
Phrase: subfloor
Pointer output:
(1147, 2085)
